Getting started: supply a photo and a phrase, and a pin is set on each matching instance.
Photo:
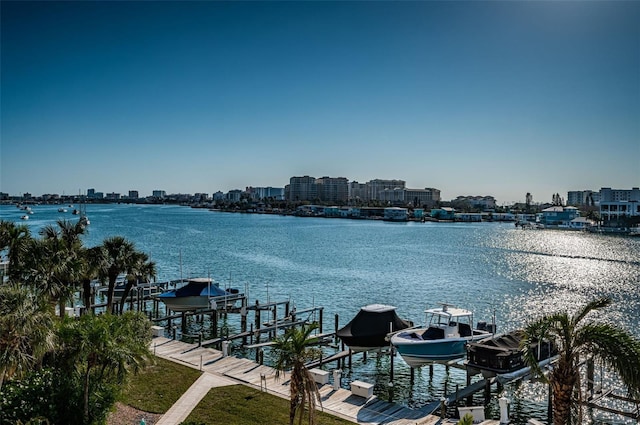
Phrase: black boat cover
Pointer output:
(371, 325)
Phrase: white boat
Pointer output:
(63, 210)
(198, 294)
(446, 334)
(25, 217)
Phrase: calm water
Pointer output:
(491, 268)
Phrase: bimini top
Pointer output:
(378, 308)
(447, 310)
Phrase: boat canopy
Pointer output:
(372, 323)
(449, 312)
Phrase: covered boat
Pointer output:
(503, 353)
(448, 330)
(369, 328)
(200, 293)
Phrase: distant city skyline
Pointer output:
(472, 98)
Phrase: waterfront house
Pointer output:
(444, 213)
(558, 216)
(581, 223)
(469, 217)
(395, 214)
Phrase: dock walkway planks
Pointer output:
(220, 371)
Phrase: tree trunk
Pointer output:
(294, 389)
(563, 381)
(86, 294)
(110, 293)
(86, 397)
(127, 290)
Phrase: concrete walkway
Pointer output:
(190, 399)
(221, 371)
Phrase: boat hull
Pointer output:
(416, 351)
(199, 302)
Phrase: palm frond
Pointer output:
(593, 305)
(617, 348)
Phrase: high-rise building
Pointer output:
(375, 187)
(332, 189)
(422, 197)
(302, 189)
(583, 197)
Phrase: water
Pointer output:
(490, 268)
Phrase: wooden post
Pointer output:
(364, 356)
(487, 391)
(320, 327)
(286, 309)
(391, 356)
(412, 375)
(335, 328)
(184, 322)
(550, 406)
(430, 370)
(214, 325)
(590, 375)
(350, 358)
(470, 398)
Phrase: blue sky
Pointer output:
(472, 98)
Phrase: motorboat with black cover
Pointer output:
(368, 330)
(503, 353)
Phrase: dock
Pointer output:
(219, 370)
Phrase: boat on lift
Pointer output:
(200, 293)
(445, 336)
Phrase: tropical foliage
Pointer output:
(292, 352)
(62, 369)
(578, 339)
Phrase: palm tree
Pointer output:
(105, 349)
(577, 340)
(15, 239)
(141, 270)
(121, 257)
(94, 262)
(61, 262)
(292, 352)
(26, 330)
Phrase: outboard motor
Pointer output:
(482, 326)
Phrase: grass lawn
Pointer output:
(242, 405)
(158, 386)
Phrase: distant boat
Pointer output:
(368, 330)
(63, 210)
(25, 217)
(198, 294)
(448, 330)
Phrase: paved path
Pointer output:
(220, 371)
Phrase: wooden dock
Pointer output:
(232, 370)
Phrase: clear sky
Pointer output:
(473, 98)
